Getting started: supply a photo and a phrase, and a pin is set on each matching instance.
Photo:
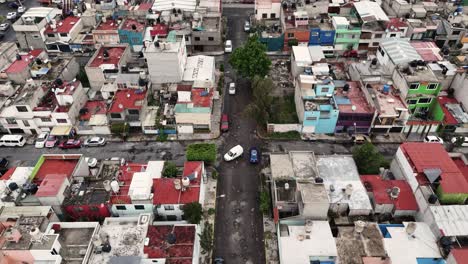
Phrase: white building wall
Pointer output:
(194, 118)
(402, 170)
(460, 84)
(130, 209)
(164, 213)
(316, 211)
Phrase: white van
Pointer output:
(12, 141)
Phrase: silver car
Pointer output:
(94, 142)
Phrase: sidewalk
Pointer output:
(271, 241)
(209, 202)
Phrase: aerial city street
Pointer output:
(233, 131)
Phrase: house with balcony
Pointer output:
(60, 33)
(451, 114)
(303, 58)
(355, 113)
(40, 106)
(391, 112)
(207, 33)
(421, 29)
(170, 194)
(267, 9)
(106, 63)
(315, 104)
(107, 32)
(372, 19)
(128, 106)
(93, 119)
(294, 25)
(193, 110)
(419, 87)
(347, 34)
(322, 34)
(29, 28)
(132, 31)
(396, 28)
(20, 70)
(449, 34)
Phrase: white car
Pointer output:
(21, 9)
(246, 26)
(232, 88)
(92, 162)
(228, 46)
(94, 142)
(4, 26)
(41, 140)
(11, 15)
(433, 139)
(465, 141)
(234, 153)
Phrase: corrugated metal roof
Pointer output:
(452, 220)
(399, 50)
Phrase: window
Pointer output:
(414, 86)
(26, 123)
(325, 90)
(51, 35)
(21, 108)
(432, 86)
(210, 38)
(135, 40)
(139, 207)
(311, 118)
(411, 101)
(171, 218)
(424, 100)
(169, 207)
(378, 36)
(124, 38)
(11, 121)
(197, 38)
(375, 44)
(314, 34)
(328, 34)
(78, 209)
(381, 51)
(115, 115)
(393, 35)
(121, 207)
(456, 33)
(54, 252)
(62, 121)
(272, 15)
(133, 112)
(45, 119)
(186, 38)
(64, 35)
(290, 35)
(36, 36)
(264, 15)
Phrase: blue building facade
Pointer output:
(321, 37)
(134, 38)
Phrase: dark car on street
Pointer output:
(224, 123)
(70, 144)
(254, 155)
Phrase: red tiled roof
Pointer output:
(127, 99)
(357, 98)
(460, 255)
(115, 54)
(449, 119)
(128, 23)
(8, 173)
(51, 184)
(201, 98)
(181, 252)
(405, 200)
(462, 167)
(165, 193)
(434, 156)
(55, 166)
(184, 87)
(159, 30)
(63, 26)
(108, 25)
(126, 173)
(94, 108)
(428, 50)
(396, 23)
(21, 65)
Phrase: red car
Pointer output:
(70, 144)
(224, 123)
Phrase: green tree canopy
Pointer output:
(368, 159)
(170, 169)
(193, 212)
(259, 108)
(250, 59)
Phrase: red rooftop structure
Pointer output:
(458, 256)
(390, 196)
(20, 65)
(127, 99)
(64, 26)
(159, 30)
(108, 55)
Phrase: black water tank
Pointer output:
(106, 248)
(432, 199)
(13, 186)
(346, 87)
(318, 180)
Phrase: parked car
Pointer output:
(4, 163)
(218, 261)
(247, 26)
(254, 155)
(11, 15)
(94, 142)
(433, 139)
(4, 26)
(21, 9)
(224, 123)
(463, 144)
(41, 140)
(228, 46)
(234, 153)
(92, 162)
(232, 88)
(360, 139)
(51, 142)
(70, 144)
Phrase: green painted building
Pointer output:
(347, 34)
